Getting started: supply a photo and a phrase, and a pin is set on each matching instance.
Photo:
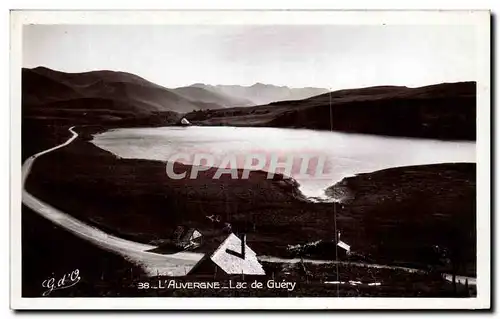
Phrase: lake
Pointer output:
(329, 156)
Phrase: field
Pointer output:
(394, 217)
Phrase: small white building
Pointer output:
(232, 257)
(190, 239)
(342, 244)
(184, 121)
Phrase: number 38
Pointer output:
(143, 285)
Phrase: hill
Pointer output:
(99, 95)
(434, 203)
(442, 111)
(259, 93)
(201, 94)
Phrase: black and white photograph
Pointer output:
(215, 155)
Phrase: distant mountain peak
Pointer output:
(257, 84)
(198, 84)
(261, 93)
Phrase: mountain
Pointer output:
(205, 95)
(259, 94)
(442, 111)
(99, 96)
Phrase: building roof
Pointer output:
(190, 234)
(233, 262)
(196, 234)
(343, 245)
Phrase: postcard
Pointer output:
(250, 159)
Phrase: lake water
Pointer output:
(342, 154)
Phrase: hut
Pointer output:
(346, 248)
(232, 257)
(189, 239)
(185, 122)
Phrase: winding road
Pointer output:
(178, 264)
(153, 264)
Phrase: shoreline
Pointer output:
(243, 213)
(313, 185)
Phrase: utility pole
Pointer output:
(334, 207)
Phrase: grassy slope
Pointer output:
(116, 95)
(48, 250)
(442, 111)
(401, 212)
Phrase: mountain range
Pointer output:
(259, 93)
(445, 111)
(116, 92)
(111, 95)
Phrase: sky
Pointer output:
(328, 56)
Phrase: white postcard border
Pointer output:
(480, 19)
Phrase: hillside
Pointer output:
(434, 203)
(259, 93)
(442, 111)
(203, 95)
(101, 95)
